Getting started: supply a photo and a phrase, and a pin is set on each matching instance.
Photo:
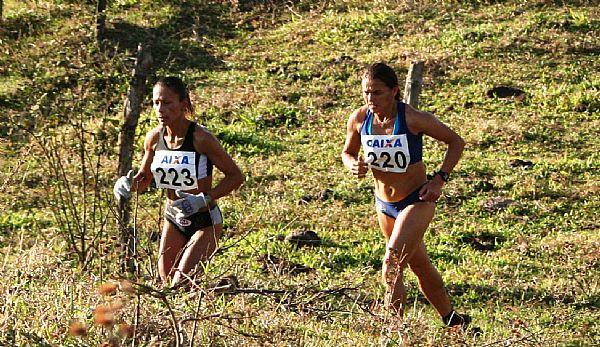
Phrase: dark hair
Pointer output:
(384, 73)
(179, 88)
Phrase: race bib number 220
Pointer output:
(386, 152)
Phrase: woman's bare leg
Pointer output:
(171, 245)
(198, 250)
(405, 238)
(430, 281)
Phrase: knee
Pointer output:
(392, 266)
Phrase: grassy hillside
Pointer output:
(516, 232)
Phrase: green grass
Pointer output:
(276, 83)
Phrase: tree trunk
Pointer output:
(0, 11)
(100, 20)
(414, 80)
(131, 115)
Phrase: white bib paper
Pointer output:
(175, 170)
(388, 153)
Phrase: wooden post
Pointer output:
(131, 115)
(414, 80)
(100, 20)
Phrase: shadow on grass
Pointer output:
(479, 4)
(593, 50)
(248, 144)
(174, 46)
(487, 293)
(484, 241)
(29, 23)
(523, 46)
(12, 101)
(342, 261)
(179, 43)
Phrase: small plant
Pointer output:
(108, 316)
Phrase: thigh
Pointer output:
(200, 247)
(204, 241)
(409, 228)
(386, 224)
(172, 243)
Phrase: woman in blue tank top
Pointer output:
(180, 155)
(390, 134)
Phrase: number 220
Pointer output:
(399, 159)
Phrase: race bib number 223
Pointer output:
(174, 170)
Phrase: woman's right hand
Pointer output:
(359, 168)
(122, 188)
(131, 183)
(142, 181)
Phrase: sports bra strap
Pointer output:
(400, 122)
(161, 144)
(188, 142)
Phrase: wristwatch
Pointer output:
(443, 175)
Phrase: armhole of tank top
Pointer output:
(363, 124)
(161, 144)
(403, 123)
(200, 170)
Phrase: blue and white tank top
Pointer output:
(391, 153)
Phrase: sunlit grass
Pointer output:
(276, 88)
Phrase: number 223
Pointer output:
(187, 176)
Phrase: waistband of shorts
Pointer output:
(406, 198)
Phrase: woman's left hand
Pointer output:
(432, 190)
(190, 203)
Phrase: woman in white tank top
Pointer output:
(179, 155)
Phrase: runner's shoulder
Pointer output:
(152, 137)
(358, 116)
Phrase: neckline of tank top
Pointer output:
(164, 133)
(396, 122)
